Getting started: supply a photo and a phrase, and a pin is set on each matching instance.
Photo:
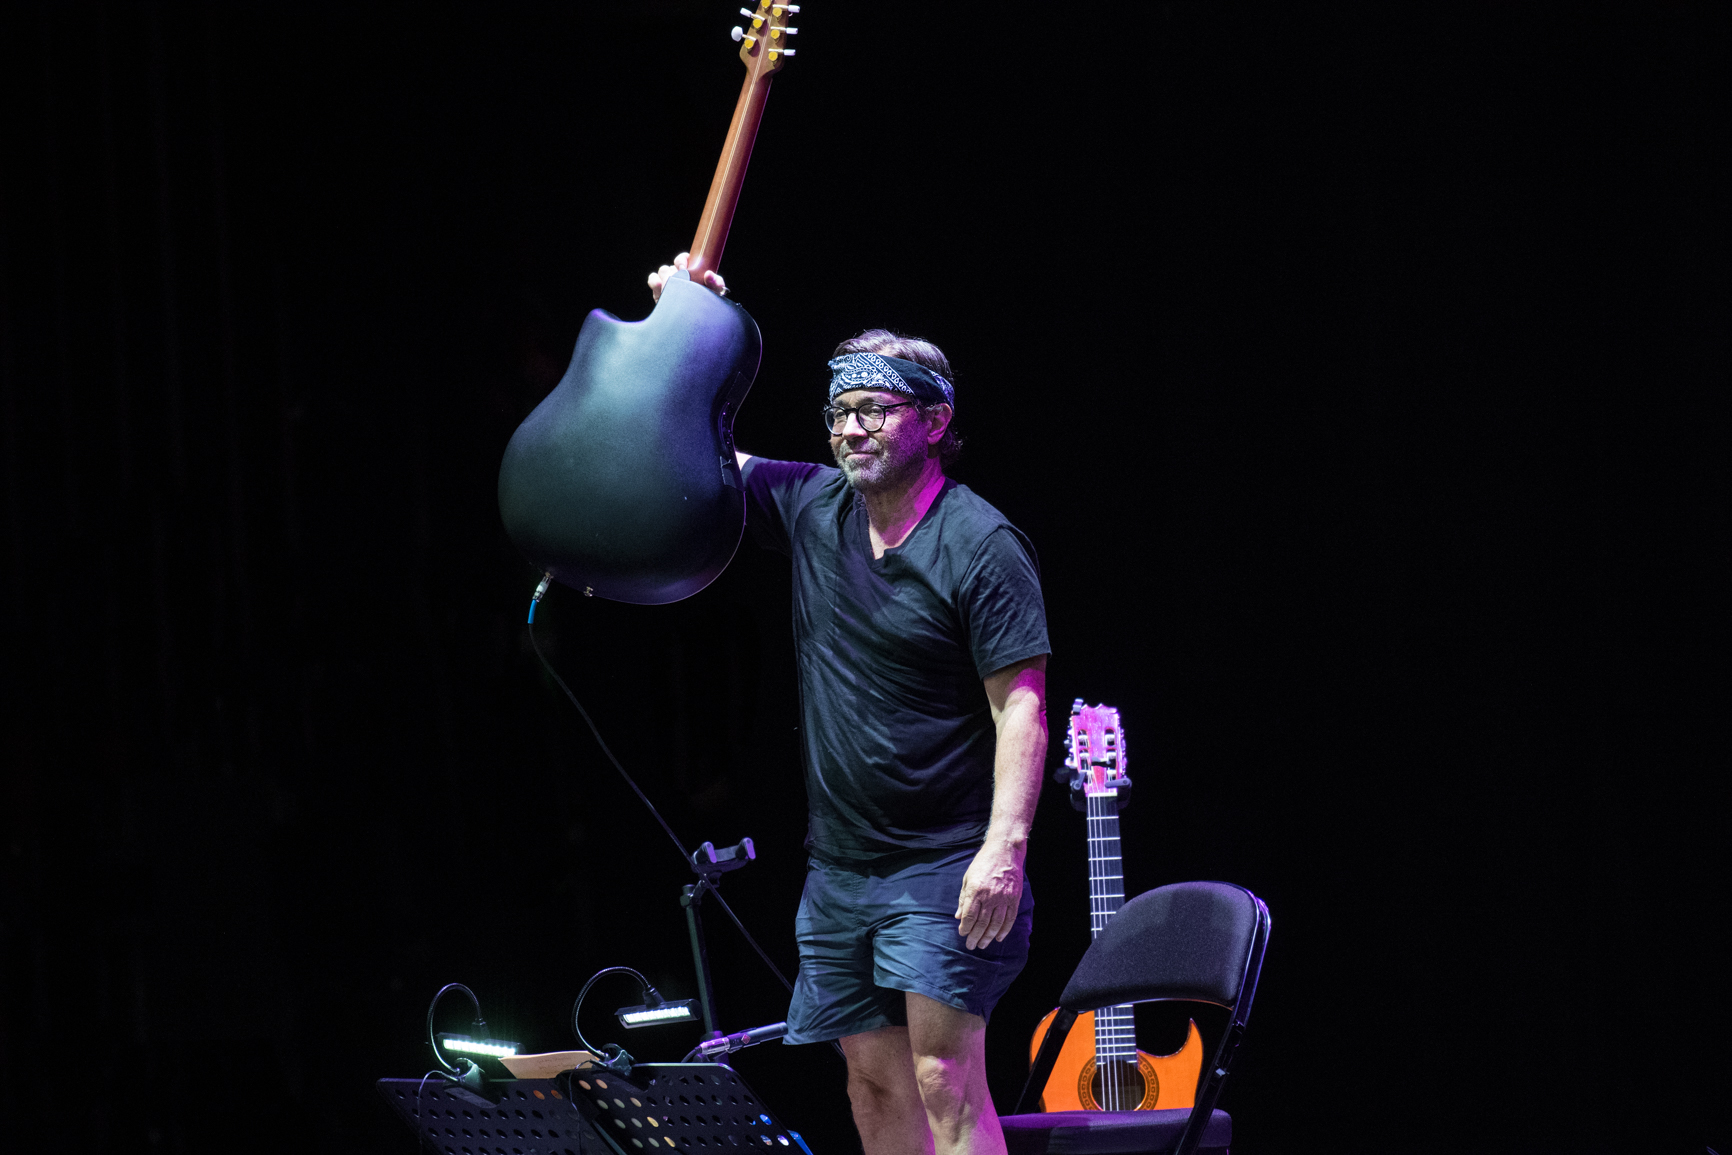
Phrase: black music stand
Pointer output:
(532, 1116)
(698, 1108)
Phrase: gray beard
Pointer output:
(894, 465)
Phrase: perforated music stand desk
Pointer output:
(693, 1108)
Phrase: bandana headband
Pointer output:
(892, 374)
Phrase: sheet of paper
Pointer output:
(544, 1066)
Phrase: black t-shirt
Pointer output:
(897, 732)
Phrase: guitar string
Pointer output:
(1105, 898)
(1114, 1026)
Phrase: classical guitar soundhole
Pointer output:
(1118, 1086)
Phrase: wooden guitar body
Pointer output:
(1160, 1081)
(623, 482)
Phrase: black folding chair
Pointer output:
(1192, 941)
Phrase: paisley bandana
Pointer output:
(892, 374)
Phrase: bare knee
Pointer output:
(872, 1092)
(880, 1073)
(949, 1048)
(944, 1081)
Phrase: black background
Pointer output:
(1350, 366)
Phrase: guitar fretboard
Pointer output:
(1115, 1027)
(1106, 869)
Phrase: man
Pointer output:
(921, 637)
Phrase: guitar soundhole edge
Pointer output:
(1139, 1087)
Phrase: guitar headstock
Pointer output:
(1096, 752)
(764, 43)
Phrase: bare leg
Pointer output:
(887, 1106)
(949, 1055)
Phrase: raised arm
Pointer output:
(992, 888)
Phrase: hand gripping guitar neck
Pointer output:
(622, 483)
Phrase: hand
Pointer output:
(991, 892)
(663, 275)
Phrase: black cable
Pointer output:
(748, 937)
(423, 1087)
(685, 855)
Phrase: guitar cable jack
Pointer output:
(540, 592)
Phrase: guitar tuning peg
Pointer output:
(774, 52)
(738, 34)
(757, 18)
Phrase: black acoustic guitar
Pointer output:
(622, 482)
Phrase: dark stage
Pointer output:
(1350, 367)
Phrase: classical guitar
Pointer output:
(1101, 1069)
(622, 483)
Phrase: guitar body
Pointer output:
(1157, 1081)
(623, 482)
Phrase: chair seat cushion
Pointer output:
(1108, 1132)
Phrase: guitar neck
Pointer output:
(1106, 869)
(1096, 759)
(730, 176)
(1115, 1027)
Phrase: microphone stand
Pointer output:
(709, 864)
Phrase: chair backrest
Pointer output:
(1189, 940)
(1200, 941)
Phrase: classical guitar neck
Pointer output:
(1106, 866)
(763, 48)
(1097, 756)
(1115, 1027)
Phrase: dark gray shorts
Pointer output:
(869, 934)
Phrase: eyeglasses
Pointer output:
(871, 415)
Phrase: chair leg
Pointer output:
(1044, 1060)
